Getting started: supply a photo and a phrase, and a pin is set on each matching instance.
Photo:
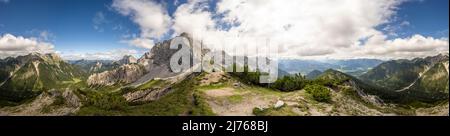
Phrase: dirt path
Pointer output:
(220, 92)
(222, 102)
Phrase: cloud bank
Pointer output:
(302, 29)
(11, 45)
(115, 54)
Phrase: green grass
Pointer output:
(5, 103)
(73, 81)
(201, 107)
(151, 84)
(319, 93)
(183, 100)
(235, 98)
(213, 86)
(399, 110)
(112, 88)
(281, 111)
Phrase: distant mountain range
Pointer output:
(25, 76)
(354, 67)
(421, 78)
(314, 74)
(94, 66)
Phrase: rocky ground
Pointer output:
(51, 103)
(232, 98)
(226, 96)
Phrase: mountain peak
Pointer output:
(313, 74)
(128, 59)
(36, 56)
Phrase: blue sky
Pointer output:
(71, 22)
(426, 17)
(94, 26)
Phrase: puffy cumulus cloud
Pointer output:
(140, 43)
(379, 47)
(194, 16)
(403, 48)
(152, 17)
(302, 29)
(307, 27)
(11, 45)
(106, 55)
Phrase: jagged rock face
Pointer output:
(146, 95)
(157, 61)
(72, 100)
(154, 64)
(437, 59)
(145, 59)
(124, 74)
(128, 59)
(50, 103)
(96, 67)
(161, 53)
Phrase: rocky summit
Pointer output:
(153, 64)
(125, 74)
(127, 59)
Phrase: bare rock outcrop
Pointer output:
(127, 59)
(147, 95)
(153, 64)
(49, 103)
(124, 74)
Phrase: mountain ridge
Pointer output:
(424, 79)
(25, 76)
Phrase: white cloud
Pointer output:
(414, 46)
(307, 28)
(115, 54)
(151, 16)
(11, 45)
(322, 25)
(140, 42)
(193, 17)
